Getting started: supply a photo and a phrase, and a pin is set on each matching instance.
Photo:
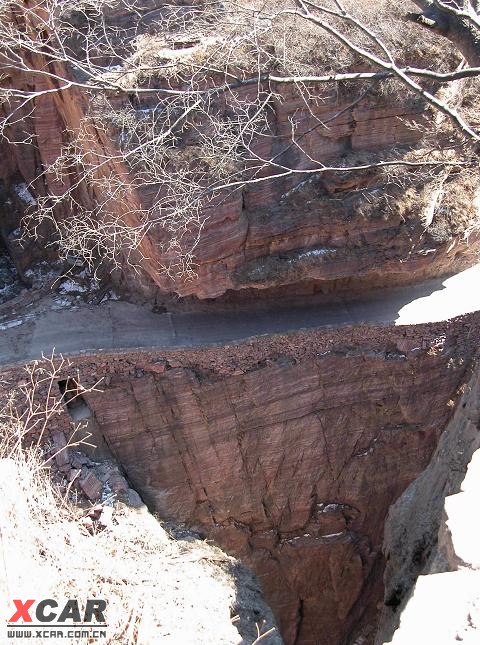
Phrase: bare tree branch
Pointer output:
(161, 126)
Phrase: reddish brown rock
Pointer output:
(91, 485)
(117, 483)
(292, 466)
(73, 474)
(60, 449)
(272, 236)
(158, 367)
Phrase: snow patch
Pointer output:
(329, 508)
(42, 272)
(297, 187)
(146, 110)
(60, 303)
(315, 253)
(10, 324)
(364, 454)
(69, 286)
(25, 195)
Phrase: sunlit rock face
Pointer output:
(335, 232)
(289, 453)
(431, 541)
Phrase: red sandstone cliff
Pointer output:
(335, 232)
(288, 451)
(331, 234)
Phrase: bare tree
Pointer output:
(169, 109)
(29, 407)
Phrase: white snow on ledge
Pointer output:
(332, 535)
(10, 324)
(293, 190)
(311, 253)
(457, 296)
(25, 195)
(69, 286)
(316, 253)
(328, 508)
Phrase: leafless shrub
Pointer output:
(30, 406)
(182, 98)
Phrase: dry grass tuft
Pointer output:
(244, 38)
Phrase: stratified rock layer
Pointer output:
(337, 232)
(431, 540)
(292, 460)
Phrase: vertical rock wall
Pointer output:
(290, 463)
(417, 541)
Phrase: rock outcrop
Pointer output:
(444, 606)
(431, 542)
(288, 451)
(180, 590)
(337, 233)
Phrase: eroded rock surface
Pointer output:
(293, 464)
(444, 604)
(431, 541)
(338, 232)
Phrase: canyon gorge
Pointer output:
(271, 366)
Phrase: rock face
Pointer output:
(293, 464)
(340, 232)
(443, 606)
(331, 232)
(287, 451)
(431, 533)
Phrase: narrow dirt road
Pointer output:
(120, 325)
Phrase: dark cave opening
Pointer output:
(74, 401)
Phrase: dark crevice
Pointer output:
(76, 405)
(299, 621)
